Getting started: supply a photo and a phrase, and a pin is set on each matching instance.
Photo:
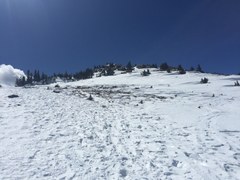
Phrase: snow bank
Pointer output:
(8, 75)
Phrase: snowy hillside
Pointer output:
(162, 126)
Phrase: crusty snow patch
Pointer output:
(9, 74)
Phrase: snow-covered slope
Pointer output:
(163, 126)
(8, 75)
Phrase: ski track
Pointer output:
(45, 135)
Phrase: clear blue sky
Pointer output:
(69, 35)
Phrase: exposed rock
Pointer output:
(13, 96)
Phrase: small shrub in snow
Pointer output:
(204, 80)
(90, 98)
(236, 83)
(57, 86)
(0, 85)
(148, 71)
(145, 73)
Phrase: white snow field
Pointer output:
(163, 126)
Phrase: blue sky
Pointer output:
(70, 35)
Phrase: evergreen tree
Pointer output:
(191, 69)
(28, 74)
(65, 75)
(164, 67)
(21, 81)
(110, 71)
(36, 76)
(154, 65)
(199, 69)
(44, 79)
(129, 67)
(29, 77)
(89, 73)
(169, 70)
(181, 70)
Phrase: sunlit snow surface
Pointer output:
(179, 131)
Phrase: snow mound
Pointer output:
(9, 74)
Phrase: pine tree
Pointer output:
(154, 66)
(44, 78)
(199, 69)
(21, 81)
(164, 67)
(129, 67)
(169, 70)
(29, 77)
(181, 70)
(191, 69)
(89, 73)
(110, 71)
(28, 74)
(35, 75)
(38, 76)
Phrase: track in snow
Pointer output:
(172, 134)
